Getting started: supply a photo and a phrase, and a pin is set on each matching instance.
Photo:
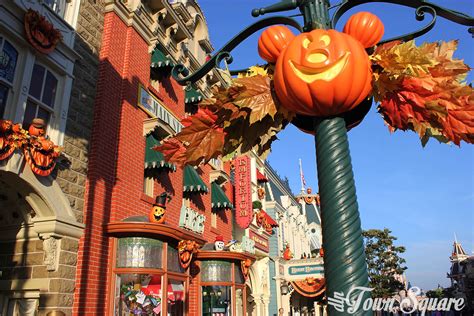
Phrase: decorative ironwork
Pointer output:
(224, 52)
(421, 7)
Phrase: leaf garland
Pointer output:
(236, 120)
(423, 89)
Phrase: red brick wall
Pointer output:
(115, 180)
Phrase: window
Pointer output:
(213, 219)
(148, 183)
(8, 60)
(145, 284)
(42, 94)
(216, 300)
(58, 6)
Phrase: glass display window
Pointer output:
(216, 300)
(148, 278)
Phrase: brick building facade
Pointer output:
(42, 216)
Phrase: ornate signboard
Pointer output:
(243, 194)
(154, 108)
(306, 268)
(260, 241)
(192, 220)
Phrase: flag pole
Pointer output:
(303, 182)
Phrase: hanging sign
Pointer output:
(192, 220)
(260, 241)
(154, 108)
(243, 196)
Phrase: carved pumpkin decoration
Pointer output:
(273, 41)
(158, 211)
(6, 145)
(323, 73)
(287, 254)
(365, 27)
(37, 127)
(245, 267)
(186, 250)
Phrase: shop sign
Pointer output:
(261, 242)
(153, 107)
(248, 245)
(192, 220)
(309, 269)
(243, 196)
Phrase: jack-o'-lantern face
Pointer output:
(322, 73)
(157, 214)
(319, 60)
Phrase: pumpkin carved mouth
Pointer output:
(308, 75)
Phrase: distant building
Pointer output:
(462, 274)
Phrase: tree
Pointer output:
(384, 262)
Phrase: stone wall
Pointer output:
(79, 123)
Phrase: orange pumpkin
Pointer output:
(157, 215)
(37, 127)
(273, 41)
(365, 27)
(323, 73)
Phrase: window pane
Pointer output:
(175, 298)
(36, 83)
(216, 300)
(239, 277)
(239, 301)
(49, 91)
(30, 114)
(3, 99)
(216, 271)
(43, 114)
(137, 294)
(138, 252)
(8, 59)
(173, 260)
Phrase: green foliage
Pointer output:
(383, 261)
(257, 205)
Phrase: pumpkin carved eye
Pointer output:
(306, 43)
(326, 40)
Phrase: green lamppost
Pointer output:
(344, 257)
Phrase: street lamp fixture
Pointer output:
(344, 257)
(284, 288)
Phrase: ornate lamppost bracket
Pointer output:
(224, 53)
(421, 7)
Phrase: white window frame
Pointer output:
(71, 11)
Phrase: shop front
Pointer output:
(222, 277)
(150, 272)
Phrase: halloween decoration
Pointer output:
(7, 146)
(272, 41)
(158, 211)
(287, 254)
(40, 152)
(219, 243)
(321, 252)
(323, 60)
(186, 250)
(310, 286)
(245, 266)
(264, 221)
(261, 193)
(365, 27)
(41, 33)
(234, 246)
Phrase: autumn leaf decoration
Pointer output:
(235, 120)
(422, 88)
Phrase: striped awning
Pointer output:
(191, 95)
(192, 182)
(159, 60)
(219, 199)
(261, 177)
(153, 158)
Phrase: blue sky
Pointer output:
(424, 195)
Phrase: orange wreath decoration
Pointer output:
(41, 33)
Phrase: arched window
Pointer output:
(41, 95)
(8, 60)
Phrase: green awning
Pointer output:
(159, 60)
(153, 158)
(192, 96)
(219, 199)
(192, 182)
